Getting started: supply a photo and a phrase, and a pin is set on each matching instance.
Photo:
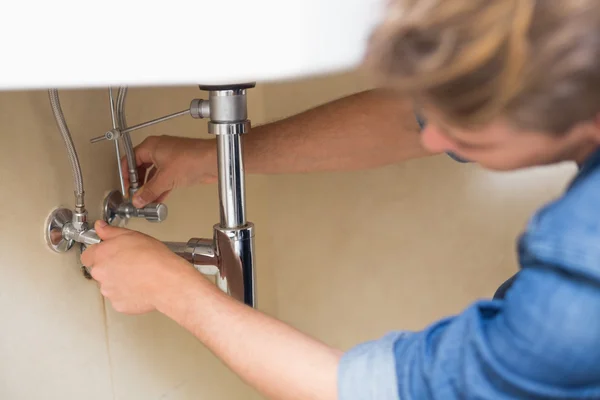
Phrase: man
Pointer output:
(507, 84)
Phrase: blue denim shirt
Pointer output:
(540, 339)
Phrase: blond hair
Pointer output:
(536, 63)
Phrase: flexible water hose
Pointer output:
(129, 153)
(72, 153)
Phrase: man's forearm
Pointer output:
(365, 130)
(277, 360)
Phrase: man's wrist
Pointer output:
(181, 283)
(202, 161)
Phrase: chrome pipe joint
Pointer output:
(229, 255)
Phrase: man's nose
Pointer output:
(435, 141)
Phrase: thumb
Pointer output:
(106, 232)
(152, 190)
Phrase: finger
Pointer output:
(88, 257)
(151, 173)
(144, 152)
(107, 232)
(141, 170)
(144, 157)
(98, 274)
(163, 197)
(153, 189)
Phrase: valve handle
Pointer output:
(154, 212)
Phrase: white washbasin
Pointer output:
(74, 43)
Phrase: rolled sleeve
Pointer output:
(368, 371)
(518, 348)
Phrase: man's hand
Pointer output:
(135, 272)
(139, 274)
(171, 162)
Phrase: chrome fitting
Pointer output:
(235, 250)
(80, 219)
(113, 134)
(201, 253)
(236, 128)
(62, 233)
(54, 230)
(117, 211)
(200, 108)
(87, 237)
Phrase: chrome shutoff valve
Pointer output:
(117, 210)
(154, 212)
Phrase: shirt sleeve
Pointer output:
(542, 341)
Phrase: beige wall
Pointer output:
(343, 256)
(392, 248)
(59, 340)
